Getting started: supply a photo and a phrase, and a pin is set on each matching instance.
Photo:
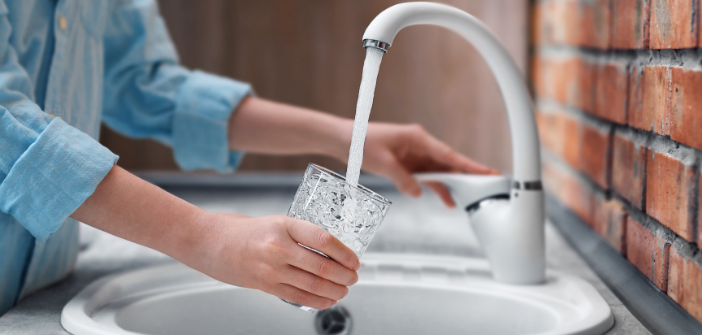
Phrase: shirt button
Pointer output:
(63, 23)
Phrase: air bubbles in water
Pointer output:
(363, 109)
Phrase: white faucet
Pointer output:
(507, 215)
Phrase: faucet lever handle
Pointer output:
(468, 189)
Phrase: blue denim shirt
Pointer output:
(65, 66)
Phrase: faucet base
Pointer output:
(511, 233)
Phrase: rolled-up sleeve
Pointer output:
(149, 95)
(47, 167)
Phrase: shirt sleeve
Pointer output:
(149, 95)
(47, 168)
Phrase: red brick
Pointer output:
(648, 253)
(547, 128)
(685, 283)
(699, 214)
(670, 187)
(629, 170)
(571, 191)
(550, 130)
(594, 155)
(639, 247)
(570, 22)
(661, 257)
(634, 112)
(555, 22)
(686, 107)
(580, 145)
(611, 92)
(580, 88)
(560, 134)
(537, 75)
(629, 24)
(673, 24)
(610, 222)
(656, 83)
(567, 81)
(550, 78)
(594, 24)
(538, 15)
(569, 140)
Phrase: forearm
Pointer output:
(131, 208)
(263, 126)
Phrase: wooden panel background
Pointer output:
(308, 52)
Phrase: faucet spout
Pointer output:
(514, 244)
(525, 143)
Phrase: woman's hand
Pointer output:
(398, 151)
(393, 151)
(262, 253)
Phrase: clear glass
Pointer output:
(350, 213)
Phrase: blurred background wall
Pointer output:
(308, 53)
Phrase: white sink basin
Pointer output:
(396, 294)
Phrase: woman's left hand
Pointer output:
(397, 151)
(391, 150)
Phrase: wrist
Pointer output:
(340, 139)
(194, 229)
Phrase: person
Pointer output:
(67, 65)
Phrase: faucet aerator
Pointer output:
(382, 46)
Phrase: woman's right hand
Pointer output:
(262, 253)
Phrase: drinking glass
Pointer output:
(352, 214)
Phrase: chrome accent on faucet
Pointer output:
(472, 209)
(533, 185)
(528, 185)
(382, 46)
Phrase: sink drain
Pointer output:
(333, 321)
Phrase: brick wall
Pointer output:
(618, 89)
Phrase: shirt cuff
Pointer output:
(203, 107)
(53, 177)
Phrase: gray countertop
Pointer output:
(413, 225)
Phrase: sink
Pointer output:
(396, 294)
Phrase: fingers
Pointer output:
(442, 192)
(323, 267)
(471, 166)
(404, 181)
(444, 154)
(314, 284)
(314, 237)
(294, 294)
